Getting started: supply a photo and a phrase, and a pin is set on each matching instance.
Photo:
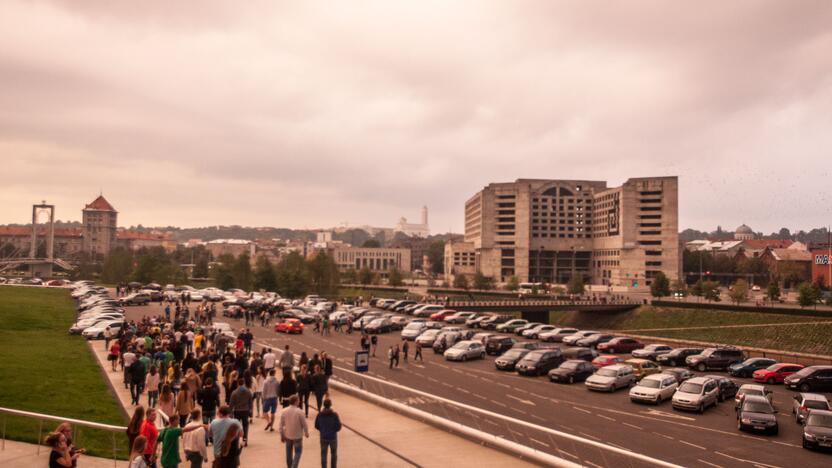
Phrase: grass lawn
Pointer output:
(45, 370)
(810, 338)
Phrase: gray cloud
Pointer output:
(313, 113)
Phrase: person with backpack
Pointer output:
(328, 424)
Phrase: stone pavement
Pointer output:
(372, 437)
(19, 454)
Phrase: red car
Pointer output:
(440, 316)
(621, 344)
(775, 373)
(606, 360)
(289, 325)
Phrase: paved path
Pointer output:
(754, 325)
(373, 437)
(21, 454)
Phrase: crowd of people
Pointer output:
(191, 382)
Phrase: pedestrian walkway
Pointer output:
(16, 454)
(372, 437)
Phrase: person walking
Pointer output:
(287, 360)
(328, 424)
(184, 404)
(167, 402)
(418, 353)
(135, 425)
(209, 399)
(221, 426)
(320, 385)
(136, 457)
(137, 375)
(270, 400)
(258, 390)
(151, 383)
(405, 349)
(112, 356)
(194, 438)
(374, 344)
(60, 455)
(241, 406)
(304, 388)
(269, 360)
(151, 434)
(287, 388)
(396, 353)
(390, 356)
(229, 449)
(293, 428)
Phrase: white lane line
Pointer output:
(498, 403)
(582, 410)
(633, 426)
(490, 422)
(663, 435)
(525, 402)
(592, 464)
(516, 432)
(519, 411)
(765, 465)
(564, 452)
(432, 379)
(463, 390)
(709, 463)
(785, 443)
(521, 390)
(692, 445)
(537, 417)
(479, 396)
(589, 436)
(447, 384)
(606, 417)
(503, 385)
(538, 442)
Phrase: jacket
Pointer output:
(328, 424)
(209, 397)
(241, 399)
(320, 384)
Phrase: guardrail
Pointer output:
(58, 419)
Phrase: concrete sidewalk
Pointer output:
(372, 437)
(16, 454)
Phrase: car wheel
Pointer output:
(701, 367)
(775, 431)
(482, 356)
(805, 444)
(658, 400)
(739, 425)
(571, 379)
(719, 398)
(701, 408)
(612, 350)
(771, 381)
(464, 357)
(805, 388)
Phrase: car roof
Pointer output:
(637, 361)
(755, 398)
(700, 380)
(820, 412)
(813, 396)
(659, 376)
(750, 386)
(620, 367)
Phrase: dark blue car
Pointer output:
(747, 367)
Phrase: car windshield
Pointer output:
(688, 387)
(569, 365)
(757, 407)
(650, 383)
(751, 391)
(604, 372)
(534, 355)
(805, 372)
(816, 404)
(460, 345)
(431, 333)
(708, 352)
(773, 367)
(414, 326)
(824, 420)
(515, 353)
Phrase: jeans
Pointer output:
(195, 458)
(333, 448)
(152, 398)
(297, 447)
(135, 392)
(243, 417)
(304, 401)
(319, 398)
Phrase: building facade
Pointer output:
(99, 219)
(460, 259)
(378, 260)
(551, 230)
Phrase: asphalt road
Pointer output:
(687, 439)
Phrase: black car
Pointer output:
(817, 430)
(510, 358)
(811, 379)
(747, 367)
(498, 344)
(579, 353)
(727, 387)
(539, 361)
(379, 325)
(677, 356)
(571, 371)
(757, 414)
(715, 358)
(530, 345)
(492, 322)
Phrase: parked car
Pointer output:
(135, 299)
(510, 325)
(427, 310)
(654, 388)
(224, 329)
(579, 353)
(572, 339)
(465, 350)
(509, 359)
(715, 358)
(811, 379)
(751, 389)
(571, 371)
(460, 317)
(474, 322)
(592, 341)
(446, 339)
(620, 344)
(756, 413)
(482, 336)
(427, 337)
(643, 367)
(776, 373)
(528, 326)
(727, 387)
(605, 360)
(491, 322)
(498, 344)
(749, 366)
(413, 330)
(557, 335)
(289, 325)
(696, 394)
(677, 356)
(530, 345)
(805, 402)
(536, 331)
(817, 430)
(96, 332)
(379, 325)
(539, 361)
(651, 351)
(441, 315)
(611, 378)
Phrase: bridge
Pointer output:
(537, 310)
(38, 266)
(35, 264)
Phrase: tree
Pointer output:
(436, 256)
(773, 292)
(292, 276)
(461, 282)
(660, 287)
(513, 283)
(483, 282)
(350, 276)
(806, 295)
(739, 291)
(365, 276)
(371, 243)
(575, 285)
(679, 289)
(264, 275)
(118, 266)
(394, 277)
(223, 272)
(323, 273)
(201, 267)
(710, 290)
(698, 288)
(242, 272)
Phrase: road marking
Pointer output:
(663, 435)
(692, 445)
(785, 443)
(498, 403)
(538, 442)
(516, 432)
(567, 428)
(564, 452)
(606, 417)
(503, 385)
(618, 446)
(525, 402)
(479, 396)
(463, 390)
(709, 463)
(582, 410)
(537, 417)
(447, 384)
(521, 390)
(433, 380)
(653, 412)
(491, 422)
(589, 436)
(592, 464)
(633, 426)
(765, 465)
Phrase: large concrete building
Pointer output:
(100, 227)
(550, 230)
(378, 260)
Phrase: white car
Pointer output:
(696, 394)
(97, 331)
(557, 335)
(611, 378)
(654, 388)
(413, 329)
(465, 350)
(225, 329)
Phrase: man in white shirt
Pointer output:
(127, 358)
(268, 360)
(293, 429)
(190, 335)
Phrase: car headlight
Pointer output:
(808, 436)
(745, 421)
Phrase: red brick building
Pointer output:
(822, 267)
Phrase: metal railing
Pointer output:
(41, 418)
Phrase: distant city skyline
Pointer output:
(309, 114)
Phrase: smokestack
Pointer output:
(425, 215)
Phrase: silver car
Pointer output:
(572, 339)
(465, 350)
(413, 329)
(696, 394)
(804, 402)
(427, 337)
(611, 378)
(654, 388)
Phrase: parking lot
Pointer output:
(683, 438)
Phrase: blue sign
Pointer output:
(362, 361)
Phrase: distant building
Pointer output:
(412, 229)
(99, 219)
(378, 260)
(16, 241)
(135, 240)
(234, 247)
(822, 266)
(460, 259)
(744, 232)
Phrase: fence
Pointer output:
(79, 439)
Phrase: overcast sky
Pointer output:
(311, 114)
